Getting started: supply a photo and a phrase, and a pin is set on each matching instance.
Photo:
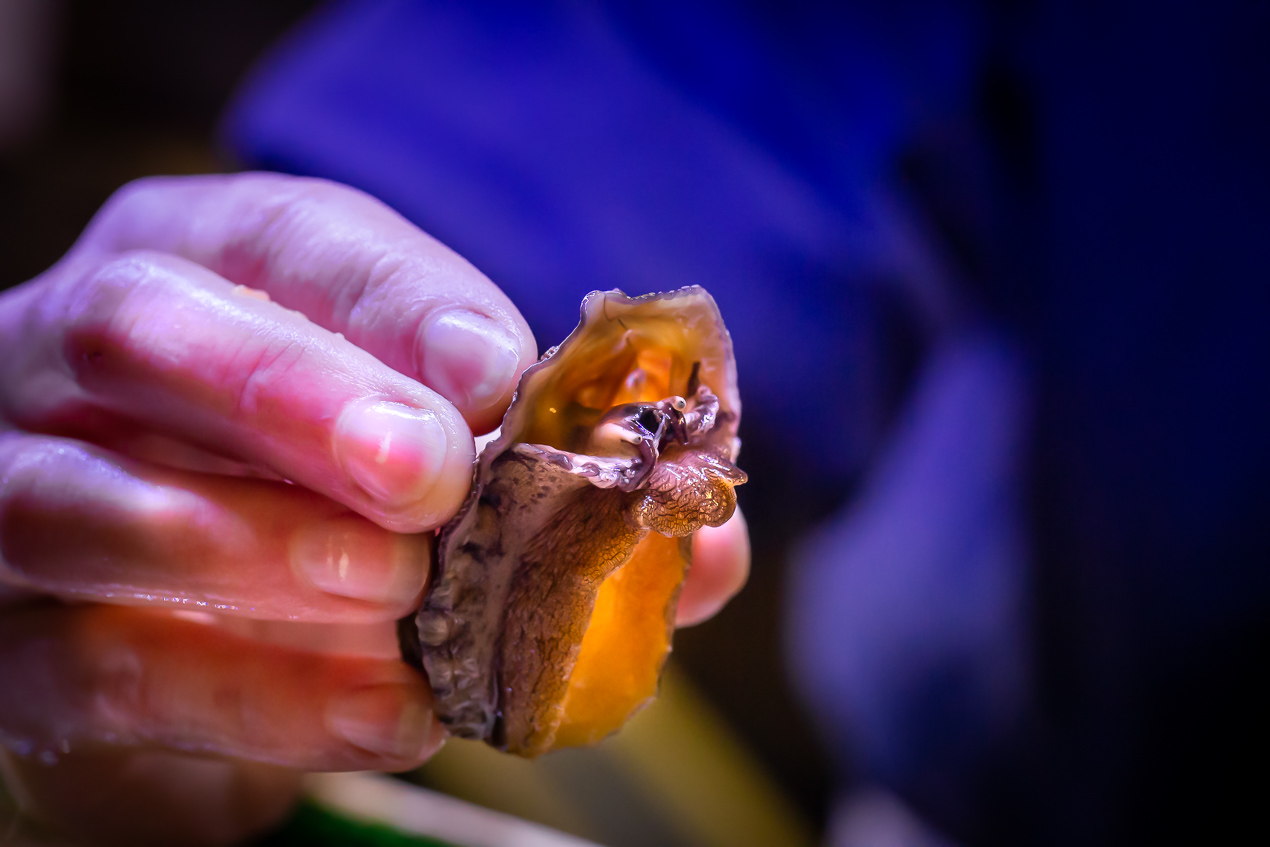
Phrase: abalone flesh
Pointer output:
(553, 593)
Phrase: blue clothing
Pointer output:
(999, 269)
(550, 149)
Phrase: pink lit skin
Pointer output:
(230, 418)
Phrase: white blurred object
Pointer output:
(375, 798)
(872, 817)
(28, 31)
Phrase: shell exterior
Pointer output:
(618, 445)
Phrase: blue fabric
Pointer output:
(562, 150)
(864, 187)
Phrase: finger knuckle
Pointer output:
(140, 200)
(296, 188)
(271, 230)
(127, 197)
(268, 368)
(286, 203)
(24, 461)
(299, 223)
(118, 687)
(102, 318)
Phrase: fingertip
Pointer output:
(393, 722)
(474, 361)
(349, 556)
(412, 464)
(720, 568)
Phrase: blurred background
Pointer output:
(997, 278)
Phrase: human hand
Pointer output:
(152, 403)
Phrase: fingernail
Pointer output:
(394, 452)
(391, 721)
(467, 358)
(352, 557)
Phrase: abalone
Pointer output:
(553, 592)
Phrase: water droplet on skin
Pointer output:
(254, 293)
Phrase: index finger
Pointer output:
(345, 260)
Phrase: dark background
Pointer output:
(133, 89)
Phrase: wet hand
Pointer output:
(205, 340)
(228, 419)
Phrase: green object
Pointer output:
(313, 825)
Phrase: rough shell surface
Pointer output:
(553, 592)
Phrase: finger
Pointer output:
(151, 797)
(377, 640)
(720, 567)
(347, 261)
(78, 678)
(164, 344)
(82, 523)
